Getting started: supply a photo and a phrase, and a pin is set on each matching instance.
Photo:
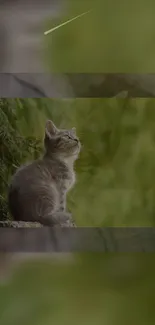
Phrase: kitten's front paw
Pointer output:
(68, 215)
(69, 221)
(64, 219)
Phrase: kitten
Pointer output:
(38, 190)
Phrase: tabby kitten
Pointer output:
(38, 190)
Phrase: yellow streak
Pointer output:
(65, 23)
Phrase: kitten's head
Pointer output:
(63, 143)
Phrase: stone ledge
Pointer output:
(23, 224)
(19, 224)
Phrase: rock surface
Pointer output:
(19, 224)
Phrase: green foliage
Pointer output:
(14, 148)
(116, 170)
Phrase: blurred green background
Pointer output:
(108, 289)
(116, 168)
(114, 37)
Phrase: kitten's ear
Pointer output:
(74, 130)
(50, 129)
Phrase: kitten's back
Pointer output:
(30, 184)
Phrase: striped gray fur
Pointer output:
(38, 190)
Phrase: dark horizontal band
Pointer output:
(48, 240)
(82, 85)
